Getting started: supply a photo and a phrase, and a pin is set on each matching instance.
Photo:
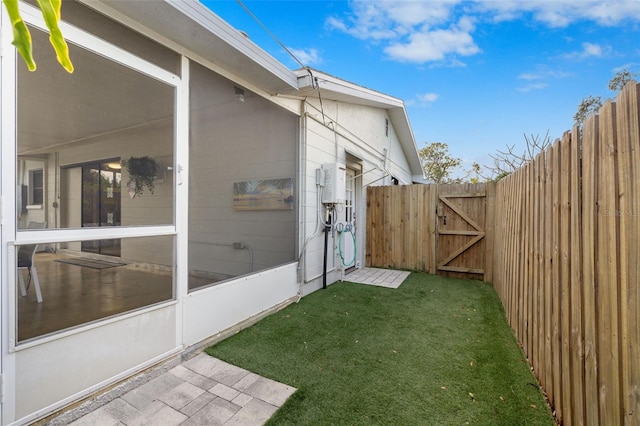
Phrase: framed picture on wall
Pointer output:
(263, 194)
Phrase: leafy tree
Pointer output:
(621, 78)
(592, 104)
(438, 164)
(22, 37)
(587, 106)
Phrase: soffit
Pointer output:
(195, 27)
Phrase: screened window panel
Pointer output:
(100, 118)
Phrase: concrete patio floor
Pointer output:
(201, 391)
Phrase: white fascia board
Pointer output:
(337, 89)
(191, 24)
(403, 129)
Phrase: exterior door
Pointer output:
(348, 235)
(101, 183)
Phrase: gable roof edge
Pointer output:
(311, 80)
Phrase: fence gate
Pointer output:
(460, 233)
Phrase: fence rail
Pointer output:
(564, 255)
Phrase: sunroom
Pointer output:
(153, 188)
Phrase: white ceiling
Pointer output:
(56, 108)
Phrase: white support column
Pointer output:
(181, 182)
(7, 213)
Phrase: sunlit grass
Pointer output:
(434, 351)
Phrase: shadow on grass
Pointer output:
(434, 351)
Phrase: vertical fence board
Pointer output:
(389, 223)
(556, 335)
(509, 283)
(535, 281)
(548, 248)
(633, 293)
(628, 123)
(522, 251)
(607, 271)
(490, 209)
(521, 302)
(513, 252)
(590, 241)
(526, 292)
(433, 195)
(576, 349)
(416, 230)
(565, 276)
(370, 227)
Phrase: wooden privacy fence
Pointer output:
(566, 265)
(445, 229)
(562, 236)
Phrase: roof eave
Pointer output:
(403, 129)
(192, 25)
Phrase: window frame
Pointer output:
(33, 189)
(12, 237)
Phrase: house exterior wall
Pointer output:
(213, 310)
(345, 133)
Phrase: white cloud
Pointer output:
(563, 13)
(589, 50)
(428, 97)
(412, 31)
(529, 76)
(442, 31)
(628, 66)
(539, 78)
(411, 13)
(335, 23)
(307, 56)
(532, 86)
(543, 73)
(433, 46)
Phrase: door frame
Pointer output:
(100, 164)
(349, 231)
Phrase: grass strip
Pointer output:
(435, 351)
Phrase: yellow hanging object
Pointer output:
(22, 37)
(51, 14)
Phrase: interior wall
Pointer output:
(236, 140)
(154, 140)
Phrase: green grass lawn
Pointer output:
(435, 351)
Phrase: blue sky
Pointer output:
(477, 75)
